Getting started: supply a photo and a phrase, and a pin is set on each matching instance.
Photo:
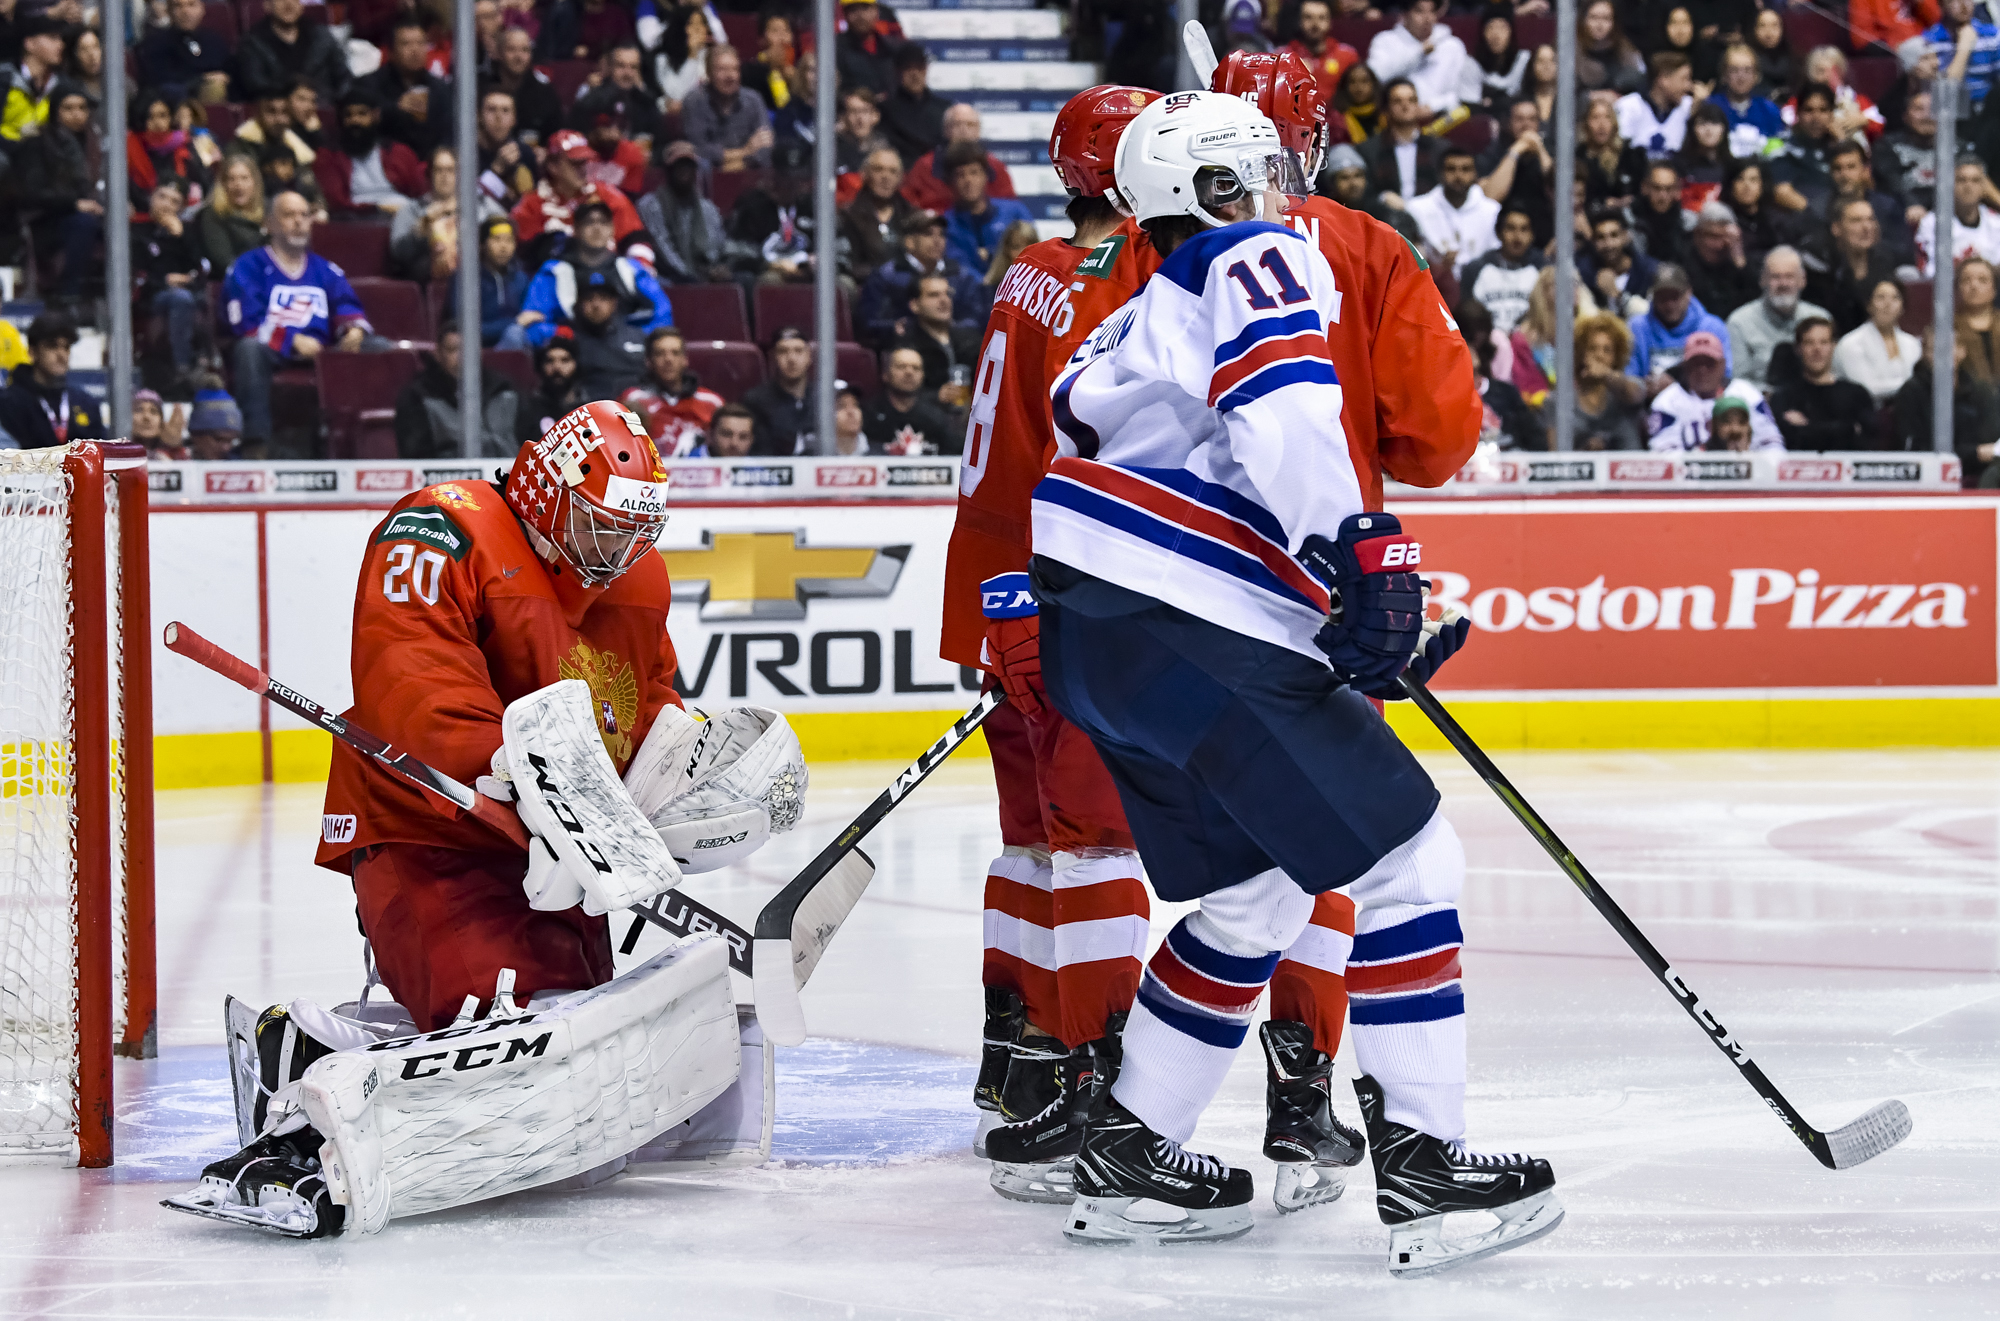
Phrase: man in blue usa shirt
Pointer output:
(286, 305)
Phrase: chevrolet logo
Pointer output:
(771, 575)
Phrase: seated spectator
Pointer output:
(1845, 280)
(1517, 169)
(59, 185)
(680, 62)
(776, 222)
(1346, 181)
(282, 49)
(503, 287)
(1886, 22)
(286, 305)
(669, 398)
(912, 114)
(537, 109)
(1357, 111)
(1530, 352)
(904, 418)
(866, 53)
(428, 422)
(797, 118)
(617, 161)
(215, 428)
(38, 410)
(1019, 237)
(925, 185)
(857, 134)
(1327, 55)
(690, 243)
(1753, 120)
(976, 221)
(1975, 414)
(1976, 326)
(1758, 223)
(1820, 411)
(83, 60)
(167, 271)
(1612, 169)
(1660, 335)
(1905, 160)
(1502, 279)
(302, 106)
(774, 74)
(782, 405)
(558, 394)
(1774, 54)
(423, 238)
(32, 82)
(544, 218)
(1975, 229)
(150, 428)
(1801, 173)
(619, 88)
(872, 225)
(948, 349)
(506, 163)
(233, 221)
(1854, 115)
(368, 172)
(269, 131)
(1718, 269)
(1656, 119)
(1502, 64)
(1659, 224)
(730, 128)
(1430, 56)
(155, 150)
(1684, 413)
(1676, 32)
(1615, 271)
(1854, 182)
(1402, 160)
(1703, 161)
(1879, 355)
(186, 58)
(733, 433)
(848, 438)
(1507, 421)
(1608, 402)
(585, 29)
(883, 308)
(1606, 59)
(1757, 328)
(1918, 64)
(415, 103)
(610, 350)
(1972, 57)
(591, 261)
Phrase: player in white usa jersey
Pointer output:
(1216, 607)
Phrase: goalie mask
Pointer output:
(592, 491)
(1193, 152)
(1282, 87)
(1086, 136)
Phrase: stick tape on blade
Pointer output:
(781, 968)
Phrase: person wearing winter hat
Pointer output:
(214, 426)
(149, 427)
(1345, 180)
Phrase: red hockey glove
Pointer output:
(1013, 649)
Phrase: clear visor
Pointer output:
(1266, 169)
(601, 545)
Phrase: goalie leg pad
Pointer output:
(500, 1105)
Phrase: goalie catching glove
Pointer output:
(717, 789)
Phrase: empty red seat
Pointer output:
(221, 16)
(855, 364)
(1918, 306)
(730, 368)
(566, 76)
(361, 250)
(517, 365)
(724, 189)
(224, 119)
(783, 305)
(710, 311)
(357, 394)
(395, 308)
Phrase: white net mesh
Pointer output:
(38, 852)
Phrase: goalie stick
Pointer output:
(794, 928)
(1872, 1134)
(671, 911)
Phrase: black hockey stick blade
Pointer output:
(786, 954)
(1844, 1148)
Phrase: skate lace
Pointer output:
(1176, 1157)
(1465, 1155)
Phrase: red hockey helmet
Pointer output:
(1085, 140)
(1282, 86)
(592, 491)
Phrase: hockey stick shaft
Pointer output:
(1815, 1141)
(672, 911)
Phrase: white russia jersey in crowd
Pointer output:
(1199, 439)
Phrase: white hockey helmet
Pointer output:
(1192, 151)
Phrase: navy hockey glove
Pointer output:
(1378, 599)
(1441, 640)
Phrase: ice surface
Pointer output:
(1837, 910)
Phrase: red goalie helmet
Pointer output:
(1085, 140)
(1284, 90)
(592, 491)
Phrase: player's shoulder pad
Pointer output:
(1189, 265)
(436, 517)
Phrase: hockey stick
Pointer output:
(1200, 51)
(1872, 1134)
(794, 928)
(672, 911)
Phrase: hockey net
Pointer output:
(76, 975)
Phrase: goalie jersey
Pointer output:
(1199, 437)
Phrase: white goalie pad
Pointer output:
(493, 1107)
(571, 798)
(717, 789)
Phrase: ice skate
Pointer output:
(1033, 1160)
(1135, 1186)
(1312, 1147)
(273, 1184)
(1422, 1183)
(1003, 1021)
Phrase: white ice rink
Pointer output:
(1838, 910)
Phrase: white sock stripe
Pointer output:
(1022, 870)
(1072, 869)
(1322, 948)
(1104, 938)
(1024, 940)
(1383, 916)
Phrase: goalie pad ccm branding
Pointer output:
(605, 851)
(717, 789)
(460, 1115)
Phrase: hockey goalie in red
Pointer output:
(515, 637)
